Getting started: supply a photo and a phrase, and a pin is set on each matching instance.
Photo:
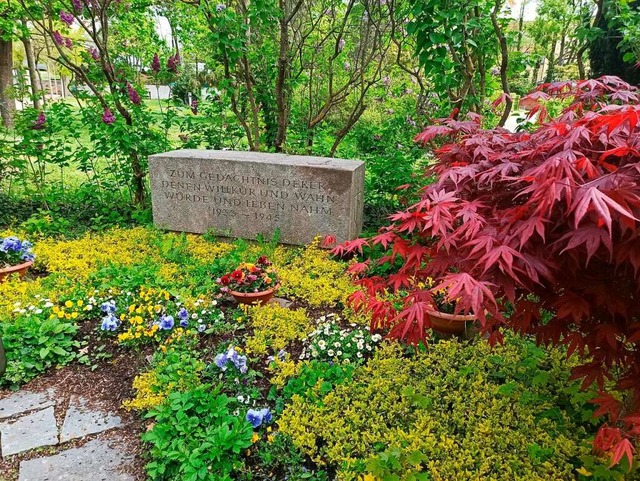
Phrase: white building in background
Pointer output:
(158, 92)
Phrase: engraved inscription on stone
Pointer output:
(244, 194)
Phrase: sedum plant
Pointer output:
(532, 223)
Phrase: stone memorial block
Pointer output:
(244, 194)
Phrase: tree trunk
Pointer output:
(33, 71)
(504, 64)
(521, 25)
(281, 85)
(33, 74)
(552, 62)
(7, 103)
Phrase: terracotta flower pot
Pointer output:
(261, 297)
(450, 323)
(20, 269)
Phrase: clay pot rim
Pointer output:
(17, 267)
(453, 317)
(254, 294)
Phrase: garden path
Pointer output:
(28, 424)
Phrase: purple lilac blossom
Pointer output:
(107, 117)
(166, 322)
(57, 38)
(77, 5)
(95, 55)
(155, 63)
(67, 42)
(173, 63)
(66, 18)
(134, 96)
(194, 107)
(40, 122)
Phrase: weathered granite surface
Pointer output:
(29, 432)
(24, 401)
(95, 461)
(244, 194)
(80, 421)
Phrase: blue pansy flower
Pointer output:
(108, 307)
(166, 322)
(255, 417)
(110, 323)
(266, 415)
(183, 315)
(202, 327)
(221, 361)
(232, 355)
(240, 363)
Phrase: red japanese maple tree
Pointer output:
(529, 222)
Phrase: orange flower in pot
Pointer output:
(251, 283)
(15, 257)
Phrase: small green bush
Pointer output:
(196, 437)
(33, 345)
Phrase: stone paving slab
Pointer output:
(29, 432)
(95, 461)
(24, 401)
(81, 421)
